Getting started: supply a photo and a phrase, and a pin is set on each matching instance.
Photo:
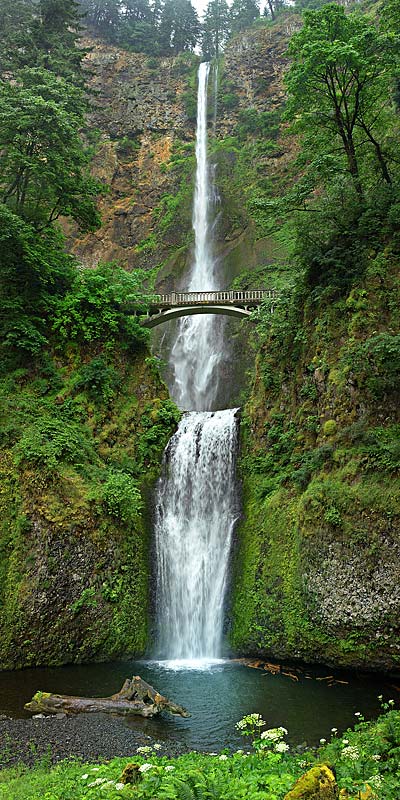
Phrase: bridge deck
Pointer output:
(224, 297)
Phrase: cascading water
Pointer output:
(199, 346)
(196, 505)
(195, 517)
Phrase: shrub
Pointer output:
(92, 310)
(51, 441)
(98, 379)
(120, 496)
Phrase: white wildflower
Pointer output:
(169, 768)
(119, 786)
(351, 752)
(281, 747)
(380, 697)
(376, 757)
(84, 777)
(95, 769)
(376, 781)
(250, 720)
(322, 741)
(302, 764)
(213, 754)
(273, 734)
(391, 702)
(145, 767)
(345, 741)
(333, 730)
(239, 752)
(357, 714)
(144, 749)
(97, 782)
(157, 746)
(223, 757)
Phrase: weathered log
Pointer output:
(135, 697)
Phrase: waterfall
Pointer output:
(198, 347)
(196, 510)
(196, 504)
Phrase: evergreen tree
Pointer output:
(242, 14)
(103, 15)
(216, 28)
(179, 26)
(186, 26)
(273, 7)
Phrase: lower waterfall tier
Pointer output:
(196, 510)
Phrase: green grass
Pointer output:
(364, 756)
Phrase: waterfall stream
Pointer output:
(196, 505)
(196, 513)
(199, 346)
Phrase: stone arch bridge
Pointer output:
(164, 307)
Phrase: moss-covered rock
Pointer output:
(76, 471)
(318, 783)
(318, 555)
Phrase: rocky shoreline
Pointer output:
(88, 737)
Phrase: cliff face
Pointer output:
(319, 560)
(138, 120)
(76, 464)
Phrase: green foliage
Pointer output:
(44, 166)
(86, 600)
(260, 123)
(92, 310)
(34, 270)
(52, 441)
(99, 379)
(120, 496)
(376, 362)
(168, 28)
(365, 755)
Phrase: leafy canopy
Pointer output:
(43, 164)
(339, 91)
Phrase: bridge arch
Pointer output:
(233, 303)
(162, 315)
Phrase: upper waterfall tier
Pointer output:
(199, 345)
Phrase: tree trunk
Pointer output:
(135, 697)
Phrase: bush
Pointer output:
(121, 497)
(92, 311)
(377, 362)
(98, 379)
(50, 441)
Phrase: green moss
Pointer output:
(329, 427)
(321, 470)
(74, 537)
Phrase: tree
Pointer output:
(243, 13)
(34, 270)
(339, 89)
(43, 165)
(216, 28)
(43, 34)
(274, 7)
(179, 26)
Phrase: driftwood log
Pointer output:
(135, 697)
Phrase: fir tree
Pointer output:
(216, 28)
(242, 14)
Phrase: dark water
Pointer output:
(217, 696)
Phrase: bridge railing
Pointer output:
(253, 296)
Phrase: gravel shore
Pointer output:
(89, 737)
